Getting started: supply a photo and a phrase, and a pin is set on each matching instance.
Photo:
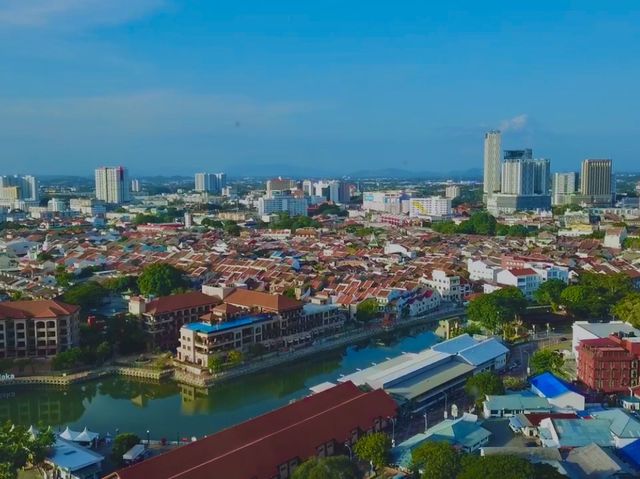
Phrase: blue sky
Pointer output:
(173, 87)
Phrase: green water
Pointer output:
(171, 410)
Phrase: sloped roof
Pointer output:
(550, 386)
(593, 461)
(483, 352)
(45, 308)
(622, 424)
(455, 345)
(270, 302)
(177, 302)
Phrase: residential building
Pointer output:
(112, 185)
(283, 204)
(565, 185)
(500, 203)
(571, 433)
(20, 187)
(525, 279)
(271, 446)
(39, 328)
(164, 316)
(450, 286)
(433, 207)
(452, 191)
(329, 190)
(135, 186)
(614, 237)
(492, 147)
(210, 182)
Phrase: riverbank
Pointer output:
(207, 381)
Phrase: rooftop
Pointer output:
(208, 328)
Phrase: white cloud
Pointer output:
(76, 14)
(517, 123)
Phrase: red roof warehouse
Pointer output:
(272, 445)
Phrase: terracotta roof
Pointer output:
(177, 302)
(46, 308)
(522, 272)
(254, 449)
(265, 301)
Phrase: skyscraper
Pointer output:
(112, 185)
(492, 145)
(210, 182)
(596, 178)
(564, 186)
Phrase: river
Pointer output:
(169, 410)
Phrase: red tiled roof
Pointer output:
(522, 272)
(265, 301)
(46, 308)
(535, 418)
(254, 449)
(177, 302)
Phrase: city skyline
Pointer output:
(182, 89)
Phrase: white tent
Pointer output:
(33, 432)
(68, 434)
(86, 436)
(134, 453)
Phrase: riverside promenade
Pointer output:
(328, 344)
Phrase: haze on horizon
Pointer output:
(173, 87)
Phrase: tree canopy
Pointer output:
(18, 448)
(367, 310)
(481, 384)
(335, 467)
(436, 460)
(546, 360)
(160, 279)
(480, 223)
(87, 295)
(121, 444)
(495, 467)
(550, 292)
(595, 294)
(283, 221)
(628, 309)
(373, 448)
(495, 309)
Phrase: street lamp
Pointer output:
(147, 439)
(393, 431)
(346, 444)
(446, 398)
(425, 422)
(528, 358)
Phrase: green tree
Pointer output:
(367, 310)
(18, 448)
(103, 351)
(234, 357)
(87, 295)
(545, 360)
(596, 294)
(495, 309)
(628, 309)
(513, 383)
(481, 384)
(63, 277)
(436, 460)
(211, 223)
(215, 364)
(495, 467)
(373, 448)
(335, 467)
(546, 471)
(550, 292)
(121, 444)
(160, 279)
(120, 284)
(231, 228)
(126, 334)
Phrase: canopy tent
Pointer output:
(134, 453)
(85, 436)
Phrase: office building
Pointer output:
(19, 187)
(564, 186)
(112, 185)
(385, 201)
(492, 145)
(329, 190)
(57, 205)
(135, 186)
(308, 187)
(452, 191)
(433, 207)
(596, 182)
(344, 192)
(283, 204)
(525, 176)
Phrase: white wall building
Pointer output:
(283, 204)
(384, 201)
(525, 279)
(450, 287)
(433, 206)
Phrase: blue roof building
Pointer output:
(559, 393)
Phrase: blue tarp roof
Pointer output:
(631, 452)
(550, 385)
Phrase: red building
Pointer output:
(271, 446)
(609, 365)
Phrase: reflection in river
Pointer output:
(171, 410)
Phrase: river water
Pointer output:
(169, 410)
